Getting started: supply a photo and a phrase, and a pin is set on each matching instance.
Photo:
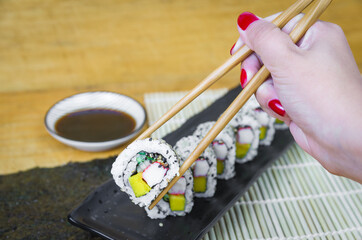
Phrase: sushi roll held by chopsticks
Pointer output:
(144, 169)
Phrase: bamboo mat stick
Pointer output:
(305, 23)
(229, 64)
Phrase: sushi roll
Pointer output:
(247, 131)
(280, 125)
(177, 202)
(144, 169)
(266, 122)
(203, 169)
(224, 148)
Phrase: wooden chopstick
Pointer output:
(229, 64)
(304, 24)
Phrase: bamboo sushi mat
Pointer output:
(294, 199)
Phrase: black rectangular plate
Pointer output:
(109, 213)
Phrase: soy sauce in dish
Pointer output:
(95, 125)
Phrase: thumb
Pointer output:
(274, 47)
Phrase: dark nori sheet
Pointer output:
(34, 204)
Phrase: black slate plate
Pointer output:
(109, 213)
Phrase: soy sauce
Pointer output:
(95, 125)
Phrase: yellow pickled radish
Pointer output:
(242, 149)
(278, 121)
(199, 184)
(177, 202)
(262, 134)
(220, 166)
(138, 185)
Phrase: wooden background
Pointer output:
(52, 49)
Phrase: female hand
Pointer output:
(315, 87)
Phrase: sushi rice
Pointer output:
(266, 122)
(247, 131)
(224, 148)
(203, 169)
(162, 209)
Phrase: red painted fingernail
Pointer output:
(277, 107)
(231, 50)
(245, 19)
(243, 78)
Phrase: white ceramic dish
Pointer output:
(95, 100)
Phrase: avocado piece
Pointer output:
(262, 134)
(220, 166)
(138, 185)
(199, 184)
(166, 198)
(242, 149)
(177, 202)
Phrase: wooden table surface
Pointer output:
(52, 49)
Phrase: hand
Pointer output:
(315, 87)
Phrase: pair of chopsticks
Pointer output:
(300, 29)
